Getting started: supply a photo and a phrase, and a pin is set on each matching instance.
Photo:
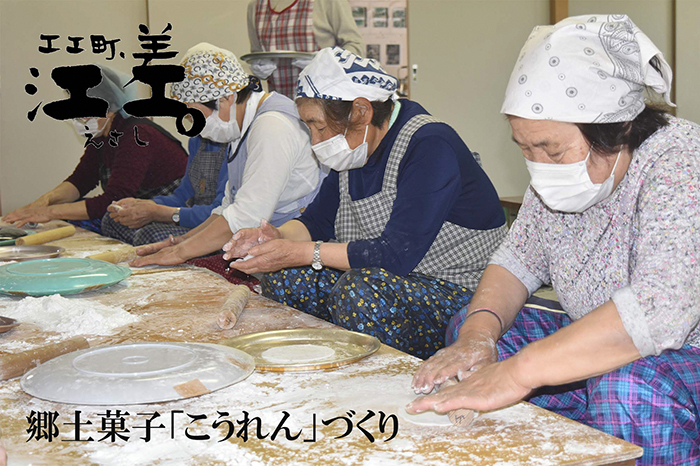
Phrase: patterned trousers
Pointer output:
(652, 402)
(151, 233)
(409, 313)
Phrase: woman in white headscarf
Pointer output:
(272, 173)
(404, 224)
(611, 220)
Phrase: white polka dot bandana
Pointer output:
(336, 74)
(210, 73)
(586, 69)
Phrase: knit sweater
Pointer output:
(639, 247)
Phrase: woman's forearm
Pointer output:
(63, 193)
(294, 230)
(501, 292)
(202, 226)
(595, 344)
(333, 255)
(69, 211)
(209, 239)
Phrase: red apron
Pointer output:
(289, 29)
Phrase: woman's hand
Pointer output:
(470, 352)
(28, 214)
(153, 248)
(274, 255)
(240, 244)
(133, 213)
(491, 387)
(166, 256)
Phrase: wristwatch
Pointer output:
(176, 216)
(316, 264)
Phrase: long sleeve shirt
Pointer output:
(639, 247)
(193, 215)
(280, 168)
(439, 181)
(132, 167)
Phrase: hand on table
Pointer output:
(490, 387)
(240, 244)
(469, 353)
(148, 252)
(273, 255)
(28, 214)
(166, 256)
(133, 213)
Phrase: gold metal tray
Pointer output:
(29, 252)
(349, 347)
(275, 54)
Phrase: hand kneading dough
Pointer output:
(427, 418)
(295, 354)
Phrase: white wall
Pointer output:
(688, 59)
(36, 156)
(465, 51)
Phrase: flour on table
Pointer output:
(297, 354)
(69, 316)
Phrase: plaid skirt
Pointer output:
(652, 402)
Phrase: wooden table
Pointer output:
(181, 304)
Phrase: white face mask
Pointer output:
(568, 187)
(221, 131)
(90, 126)
(335, 152)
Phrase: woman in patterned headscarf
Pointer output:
(403, 226)
(611, 220)
(272, 173)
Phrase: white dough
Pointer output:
(427, 418)
(295, 354)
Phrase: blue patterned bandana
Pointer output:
(336, 74)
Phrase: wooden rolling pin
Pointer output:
(233, 307)
(15, 365)
(46, 236)
(460, 417)
(116, 256)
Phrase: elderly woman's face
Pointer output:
(312, 114)
(547, 141)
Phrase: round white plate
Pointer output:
(137, 373)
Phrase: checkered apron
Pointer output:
(204, 172)
(458, 254)
(290, 29)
